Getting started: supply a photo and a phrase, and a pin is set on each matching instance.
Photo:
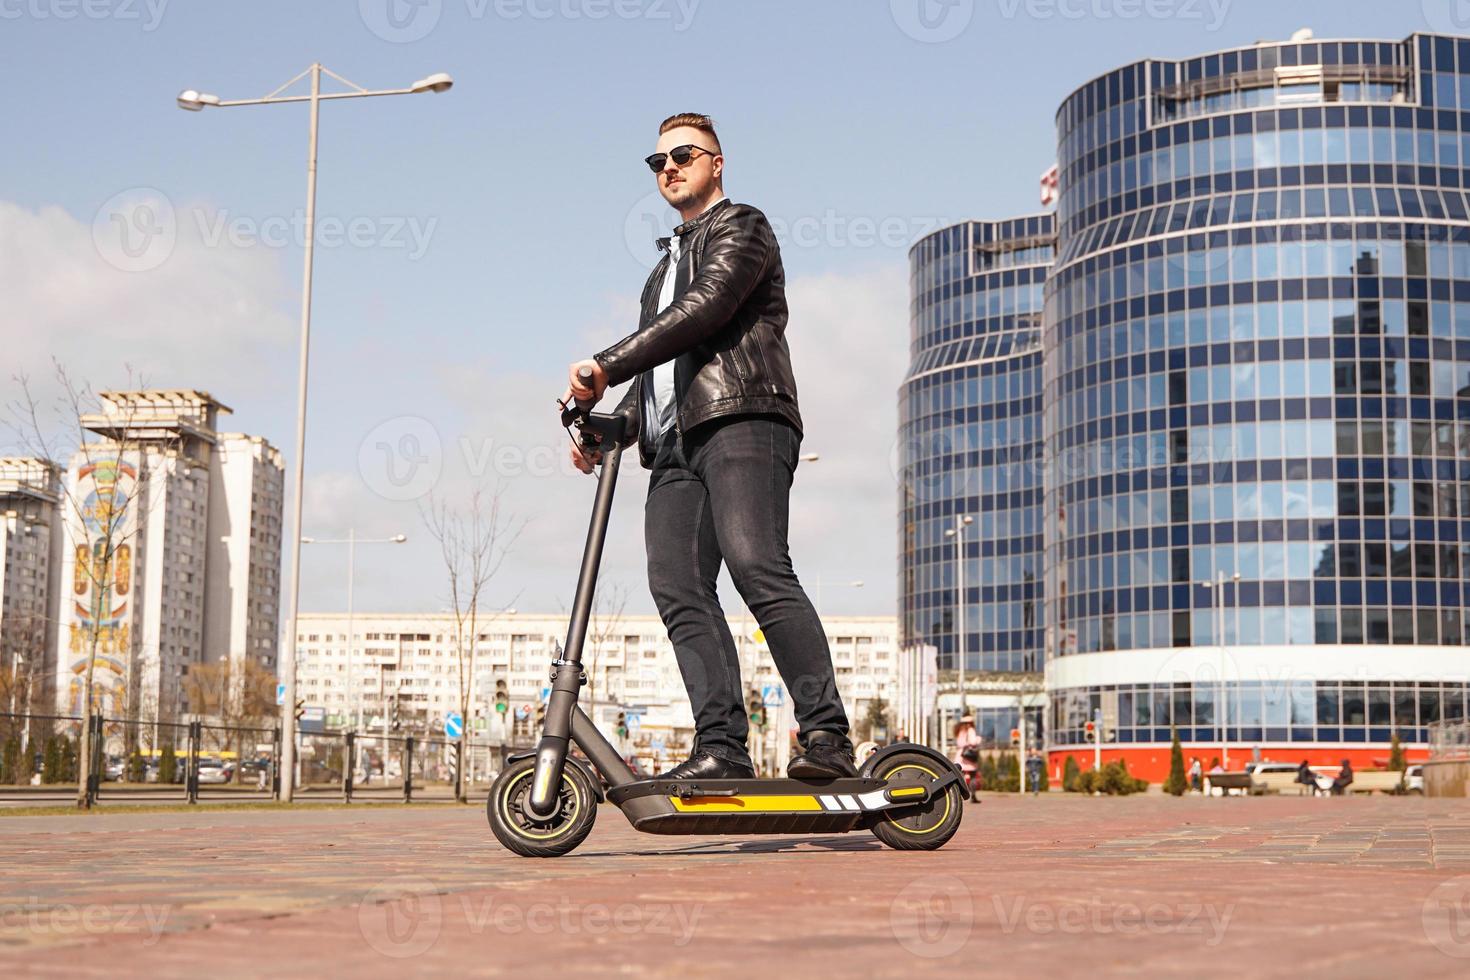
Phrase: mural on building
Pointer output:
(101, 583)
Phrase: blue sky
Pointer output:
(487, 236)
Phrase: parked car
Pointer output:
(113, 770)
(214, 771)
(1414, 779)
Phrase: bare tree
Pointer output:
(474, 542)
(235, 697)
(102, 506)
(608, 605)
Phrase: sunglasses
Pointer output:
(681, 154)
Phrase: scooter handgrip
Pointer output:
(585, 375)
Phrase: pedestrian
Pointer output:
(1034, 767)
(1306, 777)
(1196, 774)
(967, 753)
(1215, 765)
(1344, 778)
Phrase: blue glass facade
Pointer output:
(970, 442)
(1257, 336)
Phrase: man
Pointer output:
(714, 403)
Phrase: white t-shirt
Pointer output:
(663, 375)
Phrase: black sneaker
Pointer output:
(702, 765)
(827, 756)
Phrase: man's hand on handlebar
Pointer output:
(586, 459)
(579, 390)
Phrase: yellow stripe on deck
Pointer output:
(744, 804)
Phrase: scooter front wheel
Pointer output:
(929, 825)
(525, 834)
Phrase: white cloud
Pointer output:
(138, 288)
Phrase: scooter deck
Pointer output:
(758, 806)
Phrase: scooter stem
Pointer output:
(566, 676)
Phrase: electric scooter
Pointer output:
(543, 803)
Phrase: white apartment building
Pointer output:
(411, 661)
(195, 560)
(30, 569)
(243, 564)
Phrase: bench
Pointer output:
(1282, 782)
(1238, 783)
(1383, 781)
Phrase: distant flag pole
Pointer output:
(1049, 186)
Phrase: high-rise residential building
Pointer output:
(970, 449)
(30, 569)
(243, 566)
(1256, 361)
(192, 578)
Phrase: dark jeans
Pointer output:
(722, 493)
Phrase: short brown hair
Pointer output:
(694, 120)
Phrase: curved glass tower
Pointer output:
(970, 445)
(1258, 376)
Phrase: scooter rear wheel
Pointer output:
(529, 836)
(926, 826)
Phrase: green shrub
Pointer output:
(137, 768)
(168, 765)
(1111, 780)
(1178, 783)
(10, 765)
(1396, 760)
(51, 761)
(1070, 774)
(988, 776)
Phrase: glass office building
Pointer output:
(1257, 374)
(970, 445)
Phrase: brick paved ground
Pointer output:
(1057, 886)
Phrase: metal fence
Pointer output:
(142, 761)
(1449, 739)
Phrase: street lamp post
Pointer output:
(958, 533)
(1217, 604)
(352, 541)
(193, 101)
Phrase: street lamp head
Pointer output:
(968, 520)
(437, 82)
(811, 457)
(949, 532)
(306, 540)
(192, 101)
(399, 538)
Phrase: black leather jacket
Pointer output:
(726, 334)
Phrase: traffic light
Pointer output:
(395, 719)
(1015, 738)
(502, 696)
(300, 708)
(622, 724)
(1090, 731)
(757, 708)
